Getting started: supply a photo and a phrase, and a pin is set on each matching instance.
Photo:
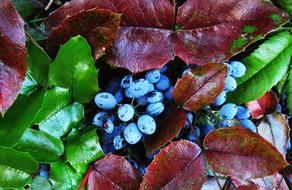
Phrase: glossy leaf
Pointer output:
(275, 129)
(241, 153)
(151, 34)
(285, 4)
(28, 7)
(249, 187)
(264, 69)
(200, 86)
(100, 27)
(64, 177)
(266, 104)
(57, 115)
(289, 90)
(38, 67)
(168, 125)
(173, 168)
(15, 168)
(42, 146)
(83, 149)
(80, 75)
(40, 182)
(12, 54)
(113, 172)
(19, 117)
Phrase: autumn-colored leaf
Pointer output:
(241, 153)
(249, 187)
(275, 181)
(200, 86)
(180, 165)
(264, 105)
(98, 26)
(275, 129)
(168, 125)
(201, 31)
(12, 54)
(113, 172)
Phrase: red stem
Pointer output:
(85, 178)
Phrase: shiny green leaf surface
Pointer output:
(40, 183)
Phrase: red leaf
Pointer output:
(173, 168)
(168, 125)
(200, 86)
(264, 105)
(98, 26)
(275, 129)
(241, 153)
(12, 54)
(205, 30)
(249, 187)
(113, 172)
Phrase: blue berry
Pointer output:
(150, 87)
(230, 84)
(289, 145)
(228, 111)
(142, 101)
(189, 119)
(153, 76)
(229, 69)
(113, 85)
(146, 124)
(191, 136)
(126, 112)
(134, 163)
(163, 69)
(126, 81)
(119, 95)
(207, 127)
(168, 93)
(246, 123)
(185, 72)
(142, 170)
(242, 113)
(108, 125)
(220, 99)
(99, 119)
(155, 109)
(44, 173)
(163, 83)
(226, 123)
(137, 89)
(155, 96)
(279, 108)
(239, 69)
(132, 134)
(105, 100)
(118, 142)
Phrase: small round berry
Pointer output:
(230, 84)
(228, 111)
(155, 96)
(155, 109)
(105, 100)
(248, 124)
(126, 81)
(126, 112)
(119, 95)
(137, 89)
(207, 128)
(163, 83)
(132, 134)
(99, 118)
(168, 93)
(146, 124)
(150, 87)
(220, 99)
(142, 101)
(108, 125)
(242, 113)
(239, 69)
(118, 142)
(153, 76)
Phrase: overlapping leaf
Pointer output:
(200, 86)
(168, 125)
(113, 172)
(173, 168)
(12, 54)
(241, 153)
(151, 34)
(265, 68)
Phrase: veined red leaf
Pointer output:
(200, 86)
(12, 54)
(168, 125)
(241, 153)
(180, 165)
(202, 31)
(264, 105)
(98, 26)
(113, 172)
(275, 129)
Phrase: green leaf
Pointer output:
(19, 117)
(74, 68)
(265, 68)
(285, 5)
(289, 90)
(42, 146)
(64, 177)
(57, 115)
(27, 7)
(40, 183)
(15, 168)
(83, 149)
(281, 83)
(38, 66)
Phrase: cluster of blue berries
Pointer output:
(119, 116)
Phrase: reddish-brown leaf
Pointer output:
(100, 27)
(113, 172)
(200, 86)
(205, 30)
(180, 165)
(12, 54)
(250, 186)
(275, 129)
(264, 105)
(241, 153)
(168, 125)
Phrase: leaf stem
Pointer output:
(49, 5)
(85, 177)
